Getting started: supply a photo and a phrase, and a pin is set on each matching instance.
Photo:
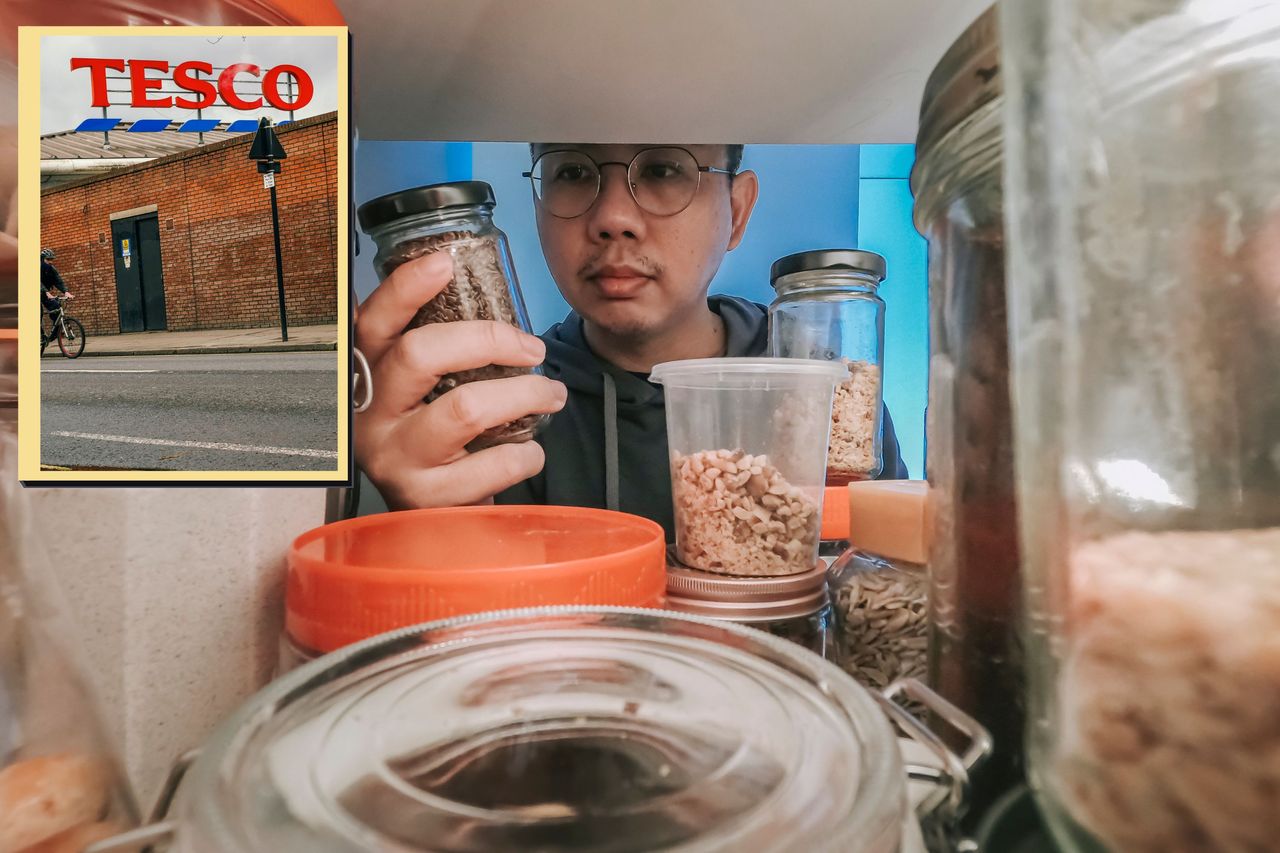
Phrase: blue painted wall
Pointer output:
(885, 226)
(810, 197)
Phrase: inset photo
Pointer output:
(190, 320)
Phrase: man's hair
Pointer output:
(735, 157)
(733, 154)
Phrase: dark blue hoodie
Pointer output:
(607, 447)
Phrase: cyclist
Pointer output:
(50, 281)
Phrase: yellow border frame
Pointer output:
(29, 248)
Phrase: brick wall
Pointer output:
(215, 233)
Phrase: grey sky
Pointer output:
(66, 95)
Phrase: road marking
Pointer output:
(92, 370)
(202, 445)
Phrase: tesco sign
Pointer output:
(147, 75)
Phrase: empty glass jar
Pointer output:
(827, 308)
(558, 729)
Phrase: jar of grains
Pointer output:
(456, 218)
(881, 586)
(827, 309)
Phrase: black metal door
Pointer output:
(148, 229)
(139, 273)
(124, 248)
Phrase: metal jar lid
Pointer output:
(967, 77)
(429, 199)
(829, 259)
(745, 599)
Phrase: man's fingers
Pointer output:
(473, 478)
(457, 417)
(393, 303)
(416, 362)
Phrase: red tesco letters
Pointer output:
(148, 75)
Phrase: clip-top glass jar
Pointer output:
(562, 729)
(827, 308)
(456, 218)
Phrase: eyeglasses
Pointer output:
(663, 181)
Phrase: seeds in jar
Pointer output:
(736, 514)
(479, 291)
(1170, 738)
(884, 625)
(854, 418)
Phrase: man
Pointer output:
(633, 236)
(49, 282)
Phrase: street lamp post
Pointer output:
(267, 150)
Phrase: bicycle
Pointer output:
(67, 331)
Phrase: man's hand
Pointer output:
(414, 452)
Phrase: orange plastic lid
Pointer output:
(835, 514)
(890, 518)
(354, 579)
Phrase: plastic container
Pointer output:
(827, 308)
(456, 218)
(353, 579)
(562, 730)
(1145, 243)
(974, 554)
(60, 782)
(880, 586)
(792, 607)
(748, 441)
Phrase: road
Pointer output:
(242, 412)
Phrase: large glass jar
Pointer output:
(1144, 213)
(61, 788)
(975, 602)
(456, 218)
(559, 729)
(827, 308)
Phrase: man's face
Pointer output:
(634, 274)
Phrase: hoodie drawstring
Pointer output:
(610, 442)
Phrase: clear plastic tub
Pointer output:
(748, 440)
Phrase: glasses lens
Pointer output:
(665, 180)
(566, 182)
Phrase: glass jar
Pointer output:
(456, 218)
(562, 729)
(881, 584)
(60, 782)
(974, 560)
(793, 607)
(827, 308)
(1145, 242)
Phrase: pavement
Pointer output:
(208, 342)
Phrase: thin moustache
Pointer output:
(596, 270)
